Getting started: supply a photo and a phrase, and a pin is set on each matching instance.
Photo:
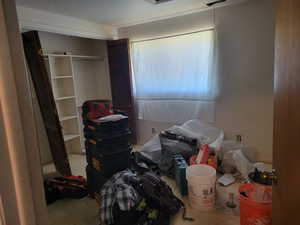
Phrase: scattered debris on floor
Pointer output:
(211, 172)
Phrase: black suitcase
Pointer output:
(95, 180)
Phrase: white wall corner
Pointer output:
(33, 19)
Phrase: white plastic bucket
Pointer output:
(201, 184)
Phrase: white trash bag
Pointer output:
(204, 133)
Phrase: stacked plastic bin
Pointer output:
(108, 148)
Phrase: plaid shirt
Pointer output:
(117, 190)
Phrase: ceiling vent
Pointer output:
(157, 1)
(212, 3)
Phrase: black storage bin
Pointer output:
(108, 147)
(110, 164)
(90, 133)
(107, 126)
(95, 180)
(97, 107)
(102, 140)
(97, 149)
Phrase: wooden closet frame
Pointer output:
(22, 201)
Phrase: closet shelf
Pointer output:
(87, 57)
(70, 137)
(67, 118)
(62, 77)
(64, 98)
(77, 57)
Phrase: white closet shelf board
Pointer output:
(86, 57)
(64, 98)
(62, 77)
(70, 137)
(77, 57)
(67, 118)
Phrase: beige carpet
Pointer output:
(73, 212)
(85, 211)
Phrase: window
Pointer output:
(178, 68)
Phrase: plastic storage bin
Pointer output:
(255, 204)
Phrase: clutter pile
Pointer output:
(184, 140)
(108, 149)
(197, 146)
(194, 154)
(132, 197)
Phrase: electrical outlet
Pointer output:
(239, 138)
(153, 130)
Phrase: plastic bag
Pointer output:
(236, 160)
(205, 133)
(242, 164)
(262, 167)
(230, 145)
(152, 149)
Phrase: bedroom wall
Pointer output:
(246, 51)
(75, 45)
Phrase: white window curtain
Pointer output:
(175, 78)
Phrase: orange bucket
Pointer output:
(255, 204)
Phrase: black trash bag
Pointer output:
(142, 163)
(175, 144)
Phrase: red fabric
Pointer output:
(193, 160)
(67, 181)
(78, 178)
(99, 109)
(207, 158)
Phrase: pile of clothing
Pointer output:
(135, 198)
